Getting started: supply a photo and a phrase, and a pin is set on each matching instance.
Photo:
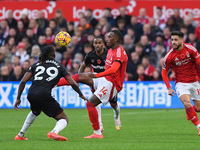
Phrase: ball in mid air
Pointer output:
(63, 39)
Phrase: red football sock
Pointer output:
(63, 81)
(192, 115)
(194, 108)
(93, 115)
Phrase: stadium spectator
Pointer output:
(24, 17)
(70, 28)
(78, 46)
(147, 66)
(103, 25)
(133, 62)
(32, 60)
(187, 22)
(76, 65)
(156, 54)
(156, 75)
(97, 32)
(143, 18)
(90, 18)
(138, 27)
(166, 32)
(121, 23)
(81, 37)
(79, 57)
(128, 43)
(50, 37)
(90, 38)
(184, 30)
(42, 42)
(123, 15)
(148, 33)
(154, 28)
(53, 26)
(13, 33)
(171, 23)
(159, 39)
(21, 30)
(60, 19)
(87, 48)
(131, 32)
(67, 61)
(35, 52)
(197, 32)
(11, 21)
(25, 66)
(27, 45)
(31, 36)
(4, 73)
(85, 27)
(21, 52)
(191, 17)
(177, 18)
(145, 44)
(2, 61)
(139, 51)
(192, 39)
(41, 20)
(11, 46)
(140, 74)
(109, 16)
(160, 18)
(4, 28)
(36, 29)
(6, 53)
(17, 75)
(10, 68)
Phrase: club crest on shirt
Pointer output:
(188, 54)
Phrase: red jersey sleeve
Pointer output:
(119, 56)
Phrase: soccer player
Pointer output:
(96, 59)
(46, 74)
(183, 59)
(109, 85)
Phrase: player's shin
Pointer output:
(28, 122)
(93, 116)
(60, 125)
(98, 107)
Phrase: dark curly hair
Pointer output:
(45, 53)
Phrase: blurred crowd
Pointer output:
(146, 40)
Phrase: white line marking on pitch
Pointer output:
(140, 112)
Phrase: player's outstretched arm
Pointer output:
(113, 69)
(166, 80)
(74, 85)
(22, 84)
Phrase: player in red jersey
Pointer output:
(183, 59)
(109, 85)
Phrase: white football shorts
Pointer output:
(193, 89)
(104, 89)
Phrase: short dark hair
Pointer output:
(178, 33)
(117, 33)
(99, 37)
(108, 8)
(159, 8)
(89, 10)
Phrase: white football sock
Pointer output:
(198, 126)
(116, 111)
(98, 132)
(60, 125)
(28, 122)
(98, 108)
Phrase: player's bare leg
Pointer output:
(191, 113)
(116, 110)
(62, 122)
(98, 107)
(93, 116)
(27, 123)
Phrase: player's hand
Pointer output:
(17, 103)
(171, 91)
(84, 98)
(91, 75)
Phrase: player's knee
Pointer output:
(36, 112)
(186, 104)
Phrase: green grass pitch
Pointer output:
(142, 129)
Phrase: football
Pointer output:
(63, 39)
